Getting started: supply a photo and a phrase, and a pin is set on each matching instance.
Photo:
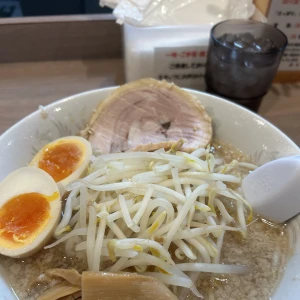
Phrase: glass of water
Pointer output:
(243, 59)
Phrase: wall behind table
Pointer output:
(60, 38)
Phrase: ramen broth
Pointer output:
(264, 250)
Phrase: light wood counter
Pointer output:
(25, 86)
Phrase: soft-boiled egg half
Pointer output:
(30, 208)
(65, 159)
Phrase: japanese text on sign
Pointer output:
(285, 15)
(184, 66)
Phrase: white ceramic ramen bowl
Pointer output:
(232, 124)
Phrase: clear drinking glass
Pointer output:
(243, 59)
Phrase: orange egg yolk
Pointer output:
(23, 215)
(61, 160)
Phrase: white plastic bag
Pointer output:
(146, 13)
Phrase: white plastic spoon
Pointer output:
(273, 189)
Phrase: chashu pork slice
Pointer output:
(146, 115)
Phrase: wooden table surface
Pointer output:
(25, 86)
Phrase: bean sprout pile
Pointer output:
(160, 213)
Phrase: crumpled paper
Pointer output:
(146, 13)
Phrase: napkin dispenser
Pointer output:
(174, 53)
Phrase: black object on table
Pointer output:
(61, 7)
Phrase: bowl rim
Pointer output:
(193, 91)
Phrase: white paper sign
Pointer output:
(185, 66)
(285, 15)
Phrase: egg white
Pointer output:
(31, 180)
